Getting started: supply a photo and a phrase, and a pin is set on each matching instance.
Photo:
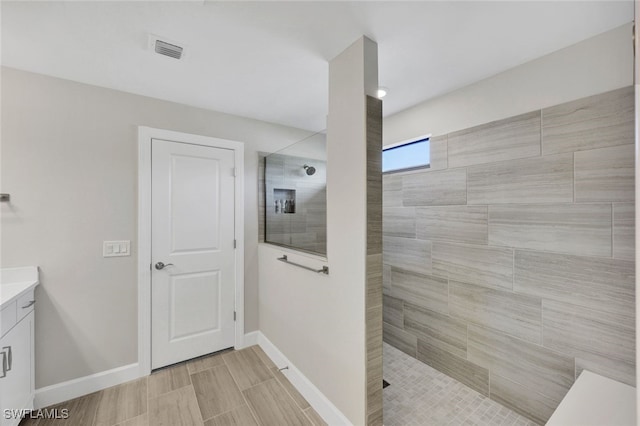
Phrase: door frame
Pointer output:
(145, 135)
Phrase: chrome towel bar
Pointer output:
(324, 270)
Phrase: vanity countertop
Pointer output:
(14, 282)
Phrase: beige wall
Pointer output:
(69, 160)
(596, 65)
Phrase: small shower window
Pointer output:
(406, 156)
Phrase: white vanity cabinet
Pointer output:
(17, 303)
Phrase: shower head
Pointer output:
(310, 170)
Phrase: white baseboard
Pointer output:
(250, 339)
(325, 408)
(75, 388)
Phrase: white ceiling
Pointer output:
(269, 60)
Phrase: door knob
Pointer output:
(161, 265)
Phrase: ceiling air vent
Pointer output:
(165, 47)
(168, 49)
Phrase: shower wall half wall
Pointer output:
(509, 264)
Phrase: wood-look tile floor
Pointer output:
(242, 388)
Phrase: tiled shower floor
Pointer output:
(419, 395)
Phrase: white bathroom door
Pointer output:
(192, 251)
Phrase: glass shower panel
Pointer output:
(296, 196)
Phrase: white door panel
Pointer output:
(190, 300)
(193, 235)
(194, 215)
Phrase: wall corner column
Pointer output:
(354, 179)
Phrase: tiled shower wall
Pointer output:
(374, 303)
(509, 264)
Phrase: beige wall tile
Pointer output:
(393, 311)
(487, 266)
(399, 222)
(374, 280)
(474, 376)
(446, 333)
(624, 231)
(603, 338)
(392, 182)
(441, 188)
(438, 152)
(598, 283)
(406, 253)
(582, 229)
(467, 224)
(533, 180)
(594, 122)
(425, 291)
(386, 279)
(606, 174)
(538, 369)
(374, 390)
(392, 198)
(373, 326)
(505, 311)
(374, 339)
(521, 400)
(374, 226)
(508, 139)
(400, 339)
(374, 177)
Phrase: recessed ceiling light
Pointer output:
(382, 92)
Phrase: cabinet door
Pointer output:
(15, 387)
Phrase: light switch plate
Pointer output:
(116, 248)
